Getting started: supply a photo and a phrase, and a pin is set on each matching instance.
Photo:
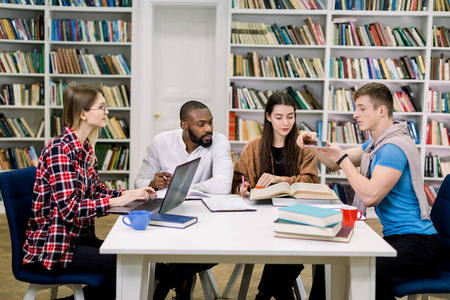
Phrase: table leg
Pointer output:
(151, 280)
(339, 282)
(132, 277)
(362, 278)
(245, 281)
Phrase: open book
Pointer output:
(297, 190)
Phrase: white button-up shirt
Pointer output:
(167, 150)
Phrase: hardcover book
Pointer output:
(296, 190)
(174, 221)
(343, 236)
(310, 215)
(285, 226)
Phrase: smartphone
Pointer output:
(316, 144)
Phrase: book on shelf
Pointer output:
(17, 158)
(278, 4)
(246, 130)
(380, 5)
(119, 184)
(441, 36)
(430, 196)
(438, 102)
(255, 65)
(249, 98)
(285, 226)
(21, 62)
(344, 191)
(435, 166)
(371, 68)
(91, 31)
(344, 235)
(296, 190)
(173, 221)
(437, 133)
(22, 94)
(310, 215)
(92, 3)
(346, 132)
(232, 126)
(78, 61)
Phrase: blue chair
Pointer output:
(439, 285)
(16, 188)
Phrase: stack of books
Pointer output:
(302, 221)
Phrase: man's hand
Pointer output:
(162, 180)
(333, 152)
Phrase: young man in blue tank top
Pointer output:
(390, 179)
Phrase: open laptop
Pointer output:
(176, 192)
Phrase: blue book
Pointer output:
(311, 215)
(174, 221)
(445, 101)
(124, 63)
(319, 130)
(414, 132)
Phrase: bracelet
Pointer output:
(341, 159)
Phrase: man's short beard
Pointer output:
(199, 141)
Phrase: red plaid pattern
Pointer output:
(67, 197)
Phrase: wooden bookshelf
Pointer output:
(423, 21)
(120, 45)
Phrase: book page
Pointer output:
(195, 194)
(312, 191)
(271, 191)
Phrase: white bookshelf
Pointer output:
(34, 115)
(423, 20)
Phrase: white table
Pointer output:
(240, 237)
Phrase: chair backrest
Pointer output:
(16, 187)
(440, 217)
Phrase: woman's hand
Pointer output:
(243, 189)
(144, 193)
(267, 179)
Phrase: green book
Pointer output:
(311, 215)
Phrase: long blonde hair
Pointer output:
(76, 97)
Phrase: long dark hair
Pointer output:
(290, 150)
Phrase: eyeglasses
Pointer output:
(104, 108)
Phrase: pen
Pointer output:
(243, 181)
(165, 178)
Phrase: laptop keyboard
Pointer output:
(152, 205)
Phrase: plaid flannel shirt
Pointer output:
(67, 196)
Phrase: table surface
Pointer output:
(237, 237)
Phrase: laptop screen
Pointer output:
(179, 185)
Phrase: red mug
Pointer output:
(350, 215)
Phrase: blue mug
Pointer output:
(139, 219)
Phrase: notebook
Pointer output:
(176, 192)
(227, 204)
